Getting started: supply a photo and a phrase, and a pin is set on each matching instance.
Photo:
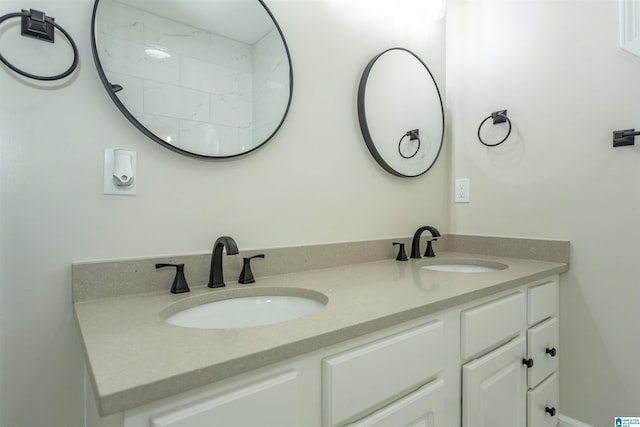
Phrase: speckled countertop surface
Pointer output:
(135, 357)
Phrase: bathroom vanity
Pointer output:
(396, 344)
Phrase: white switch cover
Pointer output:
(461, 191)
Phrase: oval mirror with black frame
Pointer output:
(400, 113)
(208, 79)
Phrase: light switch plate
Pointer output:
(461, 190)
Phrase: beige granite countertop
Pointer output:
(135, 357)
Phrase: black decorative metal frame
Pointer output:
(113, 88)
(37, 25)
(413, 134)
(498, 117)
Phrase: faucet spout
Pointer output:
(216, 278)
(415, 244)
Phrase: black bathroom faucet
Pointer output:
(216, 279)
(415, 244)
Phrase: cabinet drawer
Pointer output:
(273, 403)
(424, 407)
(492, 323)
(359, 380)
(543, 342)
(543, 302)
(542, 404)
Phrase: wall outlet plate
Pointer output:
(461, 190)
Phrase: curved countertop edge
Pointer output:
(135, 395)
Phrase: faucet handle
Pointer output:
(429, 252)
(179, 282)
(246, 275)
(402, 255)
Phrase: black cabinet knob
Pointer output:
(551, 351)
(528, 362)
(550, 411)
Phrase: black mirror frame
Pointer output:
(112, 89)
(362, 116)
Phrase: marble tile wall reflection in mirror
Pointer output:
(209, 79)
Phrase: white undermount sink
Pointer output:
(453, 265)
(242, 310)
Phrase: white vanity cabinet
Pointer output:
(510, 347)
(415, 374)
(388, 378)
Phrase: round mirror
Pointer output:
(209, 79)
(400, 113)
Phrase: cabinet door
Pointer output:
(494, 388)
(542, 403)
(543, 350)
(268, 403)
(423, 408)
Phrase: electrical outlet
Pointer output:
(461, 191)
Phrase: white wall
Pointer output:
(314, 182)
(556, 66)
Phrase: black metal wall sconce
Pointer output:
(37, 25)
(625, 137)
(498, 117)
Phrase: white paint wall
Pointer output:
(314, 182)
(556, 66)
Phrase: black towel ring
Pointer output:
(43, 31)
(413, 135)
(498, 117)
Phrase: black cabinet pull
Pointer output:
(550, 411)
(551, 351)
(528, 362)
